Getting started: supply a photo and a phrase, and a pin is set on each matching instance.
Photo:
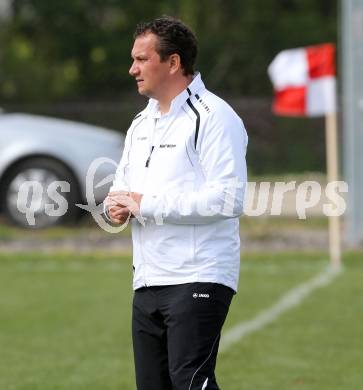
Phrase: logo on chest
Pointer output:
(167, 146)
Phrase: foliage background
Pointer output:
(71, 58)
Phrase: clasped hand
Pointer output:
(123, 205)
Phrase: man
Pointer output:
(182, 174)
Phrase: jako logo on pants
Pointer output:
(196, 295)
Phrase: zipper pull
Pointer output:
(148, 160)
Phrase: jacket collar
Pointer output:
(194, 87)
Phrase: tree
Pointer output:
(80, 48)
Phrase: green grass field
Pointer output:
(250, 226)
(65, 324)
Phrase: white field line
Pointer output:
(291, 299)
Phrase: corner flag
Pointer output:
(304, 81)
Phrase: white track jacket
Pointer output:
(190, 166)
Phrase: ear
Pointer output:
(175, 64)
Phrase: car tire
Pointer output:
(30, 197)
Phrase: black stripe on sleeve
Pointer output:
(190, 104)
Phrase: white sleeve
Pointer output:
(223, 143)
(120, 182)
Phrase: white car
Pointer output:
(38, 153)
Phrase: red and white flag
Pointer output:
(304, 81)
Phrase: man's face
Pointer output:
(150, 73)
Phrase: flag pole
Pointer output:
(332, 175)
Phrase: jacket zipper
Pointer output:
(148, 159)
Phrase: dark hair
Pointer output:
(174, 38)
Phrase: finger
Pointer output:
(125, 200)
(117, 206)
(115, 193)
(119, 216)
(110, 202)
(121, 200)
(120, 221)
(121, 213)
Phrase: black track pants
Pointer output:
(176, 331)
